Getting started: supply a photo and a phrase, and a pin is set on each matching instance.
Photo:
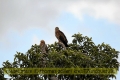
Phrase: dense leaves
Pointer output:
(1, 74)
(82, 53)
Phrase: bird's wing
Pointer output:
(62, 37)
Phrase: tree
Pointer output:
(82, 52)
(1, 74)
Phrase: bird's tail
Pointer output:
(66, 45)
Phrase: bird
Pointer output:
(61, 36)
(43, 46)
(44, 50)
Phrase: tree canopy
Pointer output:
(82, 53)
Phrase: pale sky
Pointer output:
(26, 22)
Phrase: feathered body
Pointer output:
(43, 46)
(61, 37)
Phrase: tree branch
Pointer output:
(62, 45)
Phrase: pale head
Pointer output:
(42, 42)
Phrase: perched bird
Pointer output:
(61, 37)
(43, 46)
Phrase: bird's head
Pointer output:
(42, 42)
(56, 28)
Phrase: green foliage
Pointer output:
(82, 53)
(1, 74)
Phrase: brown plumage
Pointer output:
(43, 46)
(61, 37)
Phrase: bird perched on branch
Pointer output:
(43, 46)
(61, 37)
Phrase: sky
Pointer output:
(25, 22)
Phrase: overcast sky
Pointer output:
(26, 22)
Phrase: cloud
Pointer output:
(20, 16)
(108, 10)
